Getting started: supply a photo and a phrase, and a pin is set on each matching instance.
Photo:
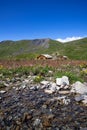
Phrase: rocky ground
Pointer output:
(25, 105)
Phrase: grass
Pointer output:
(25, 49)
(43, 72)
(76, 49)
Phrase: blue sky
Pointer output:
(30, 19)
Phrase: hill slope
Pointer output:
(76, 49)
(31, 48)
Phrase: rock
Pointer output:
(2, 91)
(78, 87)
(53, 87)
(65, 80)
(59, 81)
(37, 122)
(85, 99)
(6, 85)
(79, 98)
(44, 106)
(64, 92)
(48, 91)
(64, 100)
(18, 122)
(44, 82)
(62, 81)
(50, 72)
(85, 83)
(66, 87)
(83, 128)
(26, 116)
(46, 121)
(35, 88)
(23, 86)
(26, 81)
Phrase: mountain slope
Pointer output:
(76, 49)
(30, 48)
(14, 48)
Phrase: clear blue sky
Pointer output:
(29, 19)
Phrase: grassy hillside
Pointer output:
(76, 49)
(31, 48)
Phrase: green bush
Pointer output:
(38, 79)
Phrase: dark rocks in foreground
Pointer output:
(27, 106)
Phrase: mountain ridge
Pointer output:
(26, 48)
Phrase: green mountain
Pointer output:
(31, 48)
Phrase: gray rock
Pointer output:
(79, 98)
(79, 87)
(53, 87)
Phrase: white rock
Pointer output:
(48, 91)
(32, 88)
(6, 85)
(44, 82)
(66, 87)
(84, 101)
(65, 80)
(59, 81)
(78, 87)
(51, 72)
(17, 88)
(2, 91)
(62, 81)
(64, 92)
(58, 88)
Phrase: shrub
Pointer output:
(38, 79)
